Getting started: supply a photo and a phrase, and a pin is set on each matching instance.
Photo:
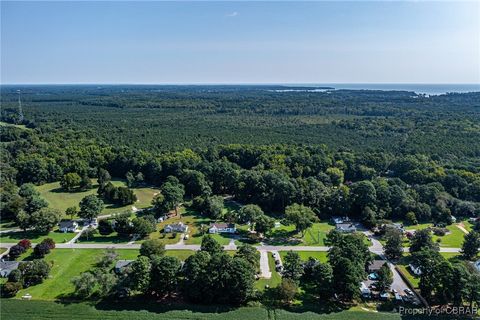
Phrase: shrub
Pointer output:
(15, 276)
(41, 250)
(10, 289)
(16, 251)
(49, 242)
(440, 232)
(27, 244)
(105, 227)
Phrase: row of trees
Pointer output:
(209, 276)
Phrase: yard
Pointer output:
(59, 199)
(453, 239)
(68, 263)
(58, 237)
(314, 236)
(304, 255)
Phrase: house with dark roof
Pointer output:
(6, 267)
(222, 228)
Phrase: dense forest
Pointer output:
(368, 154)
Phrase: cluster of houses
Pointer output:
(368, 288)
(214, 228)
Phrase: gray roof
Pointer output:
(67, 224)
(122, 264)
(9, 265)
(345, 225)
(376, 265)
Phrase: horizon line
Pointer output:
(237, 83)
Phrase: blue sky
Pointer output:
(240, 42)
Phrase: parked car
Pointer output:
(394, 291)
(408, 292)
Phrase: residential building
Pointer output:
(222, 228)
(121, 265)
(6, 267)
(175, 228)
(68, 226)
(346, 227)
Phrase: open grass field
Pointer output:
(304, 255)
(68, 263)
(58, 237)
(314, 236)
(40, 310)
(59, 199)
(453, 239)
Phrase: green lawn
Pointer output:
(109, 238)
(13, 309)
(68, 263)
(304, 255)
(58, 237)
(7, 224)
(314, 236)
(59, 199)
(453, 239)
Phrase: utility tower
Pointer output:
(20, 111)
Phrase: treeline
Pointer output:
(166, 118)
(370, 186)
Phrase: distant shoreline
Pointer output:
(429, 89)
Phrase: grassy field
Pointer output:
(58, 237)
(304, 255)
(58, 199)
(453, 239)
(314, 236)
(68, 263)
(40, 310)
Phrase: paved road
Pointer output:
(264, 267)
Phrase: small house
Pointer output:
(346, 227)
(6, 267)
(337, 220)
(477, 265)
(175, 228)
(415, 270)
(68, 226)
(375, 266)
(121, 265)
(365, 291)
(222, 228)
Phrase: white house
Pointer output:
(68, 226)
(222, 228)
(175, 227)
(416, 270)
(366, 292)
(7, 266)
(346, 227)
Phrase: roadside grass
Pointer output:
(7, 224)
(109, 238)
(59, 199)
(147, 310)
(304, 255)
(274, 280)
(68, 263)
(57, 236)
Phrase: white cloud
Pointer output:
(232, 14)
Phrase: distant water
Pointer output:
(430, 89)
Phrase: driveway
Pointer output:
(264, 266)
